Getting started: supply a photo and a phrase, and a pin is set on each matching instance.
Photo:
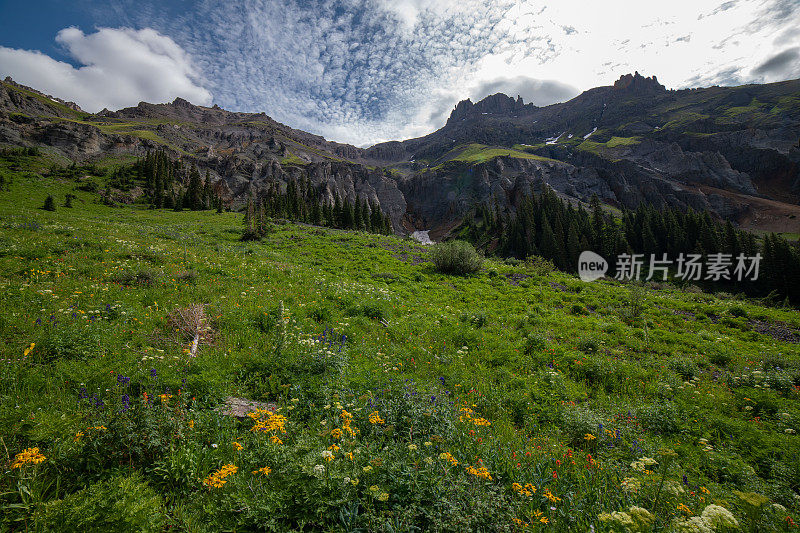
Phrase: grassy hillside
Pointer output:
(413, 401)
(480, 153)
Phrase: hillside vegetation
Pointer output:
(394, 398)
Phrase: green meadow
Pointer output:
(393, 398)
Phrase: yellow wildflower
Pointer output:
(217, 479)
(263, 471)
(375, 418)
(480, 472)
(238, 447)
(336, 433)
(447, 457)
(267, 421)
(28, 456)
(549, 495)
(589, 437)
(29, 349)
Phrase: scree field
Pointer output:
(390, 397)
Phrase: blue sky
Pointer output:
(365, 71)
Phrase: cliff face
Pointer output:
(726, 150)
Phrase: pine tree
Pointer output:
(208, 193)
(49, 203)
(195, 190)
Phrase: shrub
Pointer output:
(118, 504)
(738, 311)
(588, 346)
(685, 369)
(539, 266)
(371, 310)
(534, 343)
(478, 321)
(65, 343)
(49, 203)
(187, 276)
(720, 357)
(456, 257)
(142, 277)
(319, 314)
(660, 418)
(89, 186)
(577, 422)
(635, 305)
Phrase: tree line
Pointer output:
(547, 226)
(300, 201)
(172, 184)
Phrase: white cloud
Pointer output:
(363, 71)
(120, 68)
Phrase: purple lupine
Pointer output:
(122, 380)
(153, 373)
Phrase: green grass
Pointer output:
(292, 159)
(47, 101)
(601, 148)
(480, 153)
(622, 141)
(567, 384)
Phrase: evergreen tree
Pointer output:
(49, 203)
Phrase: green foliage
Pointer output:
(144, 277)
(49, 203)
(456, 257)
(495, 370)
(65, 342)
(660, 418)
(119, 504)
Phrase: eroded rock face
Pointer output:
(637, 83)
(629, 143)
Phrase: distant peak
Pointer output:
(180, 102)
(495, 104)
(637, 83)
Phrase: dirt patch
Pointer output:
(559, 286)
(239, 407)
(514, 278)
(414, 259)
(780, 331)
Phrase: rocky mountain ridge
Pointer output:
(730, 150)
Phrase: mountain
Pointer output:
(734, 151)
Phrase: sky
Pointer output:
(367, 71)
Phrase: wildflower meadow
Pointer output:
(379, 394)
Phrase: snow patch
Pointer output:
(422, 237)
(553, 140)
(588, 134)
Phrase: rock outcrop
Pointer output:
(718, 149)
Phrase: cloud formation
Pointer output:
(784, 63)
(121, 67)
(365, 71)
